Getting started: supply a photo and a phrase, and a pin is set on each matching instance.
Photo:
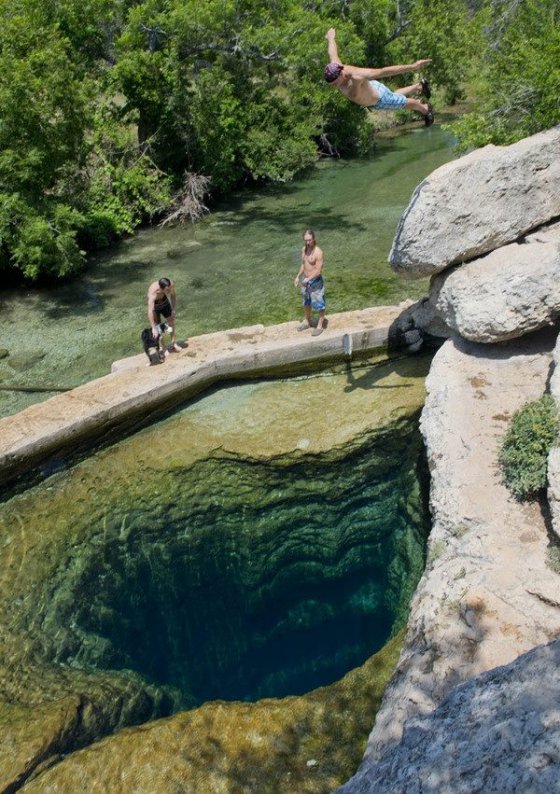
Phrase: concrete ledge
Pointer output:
(133, 392)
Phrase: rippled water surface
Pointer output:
(236, 267)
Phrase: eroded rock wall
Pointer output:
(500, 731)
(477, 203)
(487, 594)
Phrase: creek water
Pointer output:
(263, 539)
(235, 267)
(260, 541)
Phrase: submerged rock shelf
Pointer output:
(233, 551)
(133, 393)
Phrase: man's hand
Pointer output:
(331, 33)
(420, 64)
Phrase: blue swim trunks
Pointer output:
(388, 100)
(313, 294)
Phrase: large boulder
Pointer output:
(504, 295)
(477, 203)
(498, 732)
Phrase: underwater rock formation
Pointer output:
(229, 551)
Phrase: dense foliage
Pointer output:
(107, 105)
(516, 84)
(524, 451)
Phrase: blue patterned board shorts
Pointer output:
(313, 294)
(388, 100)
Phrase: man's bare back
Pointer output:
(358, 90)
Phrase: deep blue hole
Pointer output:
(258, 579)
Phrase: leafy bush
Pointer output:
(524, 451)
(515, 93)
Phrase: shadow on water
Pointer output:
(370, 374)
(287, 222)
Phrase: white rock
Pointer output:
(506, 294)
(499, 732)
(553, 472)
(468, 207)
(486, 595)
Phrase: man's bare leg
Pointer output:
(175, 346)
(412, 103)
(409, 89)
(306, 322)
(321, 325)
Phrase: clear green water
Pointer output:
(216, 555)
(234, 268)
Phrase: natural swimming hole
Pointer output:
(260, 542)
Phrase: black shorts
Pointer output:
(164, 309)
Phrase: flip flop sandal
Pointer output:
(426, 88)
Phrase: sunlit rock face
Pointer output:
(499, 731)
(261, 542)
(479, 202)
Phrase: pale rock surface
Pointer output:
(508, 293)
(553, 493)
(487, 595)
(466, 208)
(499, 732)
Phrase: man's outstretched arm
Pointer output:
(333, 52)
(361, 73)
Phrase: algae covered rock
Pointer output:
(211, 557)
(306, 744)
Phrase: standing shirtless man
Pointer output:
(312, 286)
(361, 86)
(162, 300)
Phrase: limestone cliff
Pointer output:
(485, 228)
(498, 732)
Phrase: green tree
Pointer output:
(43, 97)
(517, 83)
(107, 104)
(438, 29)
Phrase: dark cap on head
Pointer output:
(164, 283)
(332, 71)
